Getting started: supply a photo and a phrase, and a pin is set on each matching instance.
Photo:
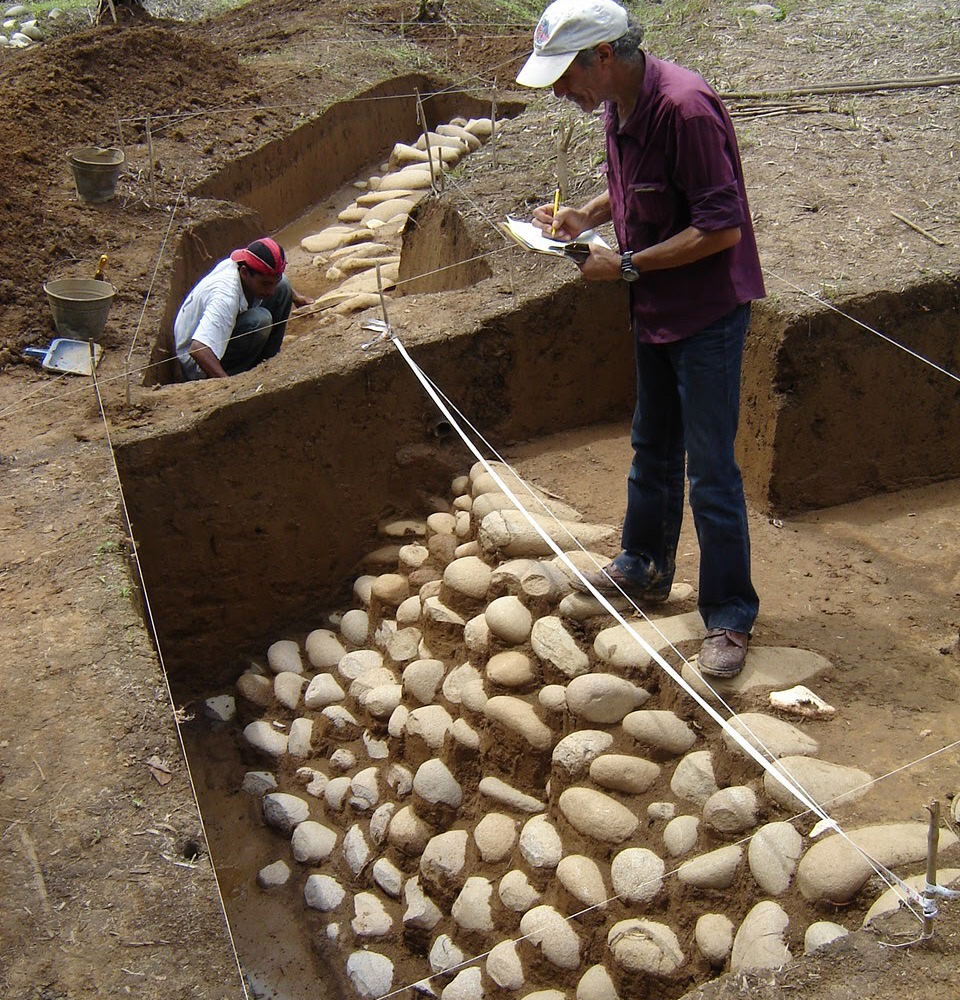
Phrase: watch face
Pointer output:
(627, 271)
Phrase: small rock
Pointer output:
(312, 842)
(256, 689)
(457, 680)
(364, 787)
(519, 717)
(380, 822)
(422, 678)
(509, 620)
(714, 937)
(431, 723)
(545, 928)
(465, 985)
(322, 691)
(715, 870)
(283, 812)
(263, 737)
(388, 877)
(221, 708)
(624, 773)
(435, 784)
(355, 627)
(503, 794)
(772, 855)
(356, 850)
(693, 780)
(335, 792)
(603, 698)
(662, 811)
(465, 735)
(495, 836)
(400, 780)
(343, 759)
(822, 780)
(540, 843)
(445, 954)
(503, 966)
(444, 856)
(554, 645)
(469, 577)
(273, 875)
(759, 942)
(596, 984)
(820, 934)
(301, 736)
(660, 730)
(476, 637)
(680, 835)
(370, 974)
(471, 909)
(421, 912)
(582, 878)
(510, 669)
(258, 783)
(731, 810)
(770, 736)
(516, 893)
(323, 892)
(645, 946)
(637, 874)
(370, 917)
(575, 753)
(324, 650)
(553, 697)
(596, 815)
(285, 656)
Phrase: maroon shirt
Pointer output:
(675, 164)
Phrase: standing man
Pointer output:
(236, 316)
(676, 195)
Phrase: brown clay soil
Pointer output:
(107, 886)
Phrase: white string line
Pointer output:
(304, 313)
(163, 671)
(153, 278)
(913, 896)
(860, 323)
(779, 776)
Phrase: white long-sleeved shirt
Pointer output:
(209, 314)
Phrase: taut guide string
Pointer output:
(163, 669)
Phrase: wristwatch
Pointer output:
(627, 271)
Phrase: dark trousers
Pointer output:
(258, 332)
(688, 403)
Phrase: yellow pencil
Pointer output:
(556, 208)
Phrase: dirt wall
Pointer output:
(250, 518)
(283, 178)
(839, 414)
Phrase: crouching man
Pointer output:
(236, 316)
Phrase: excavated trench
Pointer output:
(272, 536)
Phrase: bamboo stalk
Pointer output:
(865, 87)
(929, 896)
(918, 229)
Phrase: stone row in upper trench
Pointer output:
(470, 757)
(369, 231)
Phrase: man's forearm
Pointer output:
(689, 245)
(597, 210)
(206, 360)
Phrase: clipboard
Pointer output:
(527, 235)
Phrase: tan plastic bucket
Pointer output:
(95, 171)
(79, 306)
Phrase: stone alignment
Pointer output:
(505, 767)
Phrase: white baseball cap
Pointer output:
(566, 28)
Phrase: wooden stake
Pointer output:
(123, 148)
(383, 299)
(933, 842)
(493, 124)
(436, 177)
(153, 185)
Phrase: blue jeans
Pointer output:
(688, 401)
(258, 332)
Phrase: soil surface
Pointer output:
(105, 874)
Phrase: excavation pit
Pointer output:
(309, 471)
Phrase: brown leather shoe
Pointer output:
(723, 652)
(611, 581)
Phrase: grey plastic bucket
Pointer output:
(79, 306)
(95, 171)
